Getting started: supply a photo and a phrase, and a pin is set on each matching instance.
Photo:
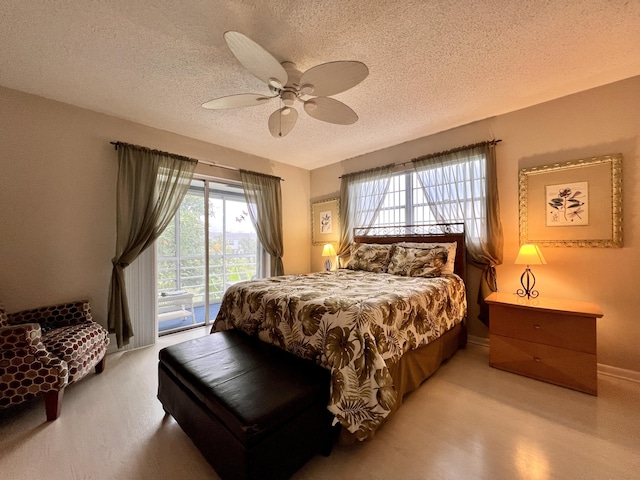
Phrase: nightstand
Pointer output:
(549, 339)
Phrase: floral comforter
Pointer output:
(350, 322)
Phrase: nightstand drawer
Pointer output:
(568, 368)
(567, 331)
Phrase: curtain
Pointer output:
(461, 185)
(264, 200)
(151, 186)
(361, 196)
(141, 280)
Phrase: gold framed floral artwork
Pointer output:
(325, 221)
(572, 204)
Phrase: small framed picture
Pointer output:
(325, 221)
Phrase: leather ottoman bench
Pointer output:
(252, 409)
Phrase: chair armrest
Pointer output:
(20, 345)
(54, 316)
(14, 337)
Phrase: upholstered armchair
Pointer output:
(45, 349)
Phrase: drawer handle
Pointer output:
(537, 359)
(537, 327)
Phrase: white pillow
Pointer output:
(451, 252)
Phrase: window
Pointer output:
(234, 249)
(455, 193)
(404, 203)
(234, 252)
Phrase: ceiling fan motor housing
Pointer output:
(293, 73)
(291, 90)
(288, 97)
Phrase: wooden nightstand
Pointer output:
(548, 339)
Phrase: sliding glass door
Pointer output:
(210, 245)
(233, 243)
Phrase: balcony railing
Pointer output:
(188, 274)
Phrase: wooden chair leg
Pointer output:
(53, 403)
(100, 365)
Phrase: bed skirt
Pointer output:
(416, 366)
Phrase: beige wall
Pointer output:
(58, 198)
(596, 122)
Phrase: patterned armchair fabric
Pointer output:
(45, 349)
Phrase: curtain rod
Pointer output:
(488, 142)
(115, 144)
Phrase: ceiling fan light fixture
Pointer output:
(286, 110)
(307, 89)
(275, 83)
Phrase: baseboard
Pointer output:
(622, 373)
(606, 370)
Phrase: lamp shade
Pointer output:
(328, 251)
(530, 255)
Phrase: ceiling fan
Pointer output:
(312, 88)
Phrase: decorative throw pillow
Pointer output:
(417, 262)
(451, 253)
(369, 257)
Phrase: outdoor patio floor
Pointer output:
(181, 323)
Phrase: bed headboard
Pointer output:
(434, 232)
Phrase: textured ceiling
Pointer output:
(434, 64)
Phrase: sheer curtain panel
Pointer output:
(361, 195)
(461, 186)
(264, 199)
(151, 186)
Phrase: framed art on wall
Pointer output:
(325, 221)
(567, 204)
(572, 204)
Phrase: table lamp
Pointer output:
(529, 255)
(328, 251)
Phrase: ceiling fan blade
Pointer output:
(330, 110)
(334, 77)
(256, 59)
(236, 101)
(282, 121)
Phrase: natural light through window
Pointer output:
(234, 252)
(455, 193)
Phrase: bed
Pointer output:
(381, 326)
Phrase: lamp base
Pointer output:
(528, 281)
(327, 265)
